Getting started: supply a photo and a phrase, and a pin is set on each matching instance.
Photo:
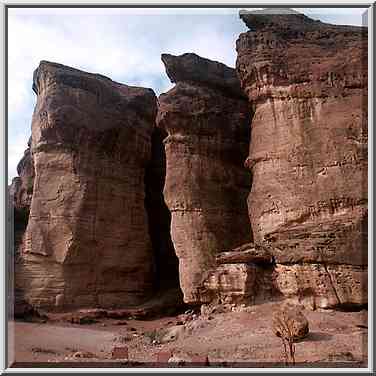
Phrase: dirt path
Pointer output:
(238, 338)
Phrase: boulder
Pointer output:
(120, 352)
(170, 334)
(232, 283)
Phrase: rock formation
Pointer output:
(20, 195)
(21, 192)
(308, 152)
(207, 121)
(252, 184)
(87, 241)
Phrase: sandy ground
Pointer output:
(232, 339)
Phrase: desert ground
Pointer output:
(225, 336)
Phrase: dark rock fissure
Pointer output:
(166, 263)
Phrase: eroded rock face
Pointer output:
(232, 283)
(87, 241)
(308, 151)
(207, 122)
(20, 194)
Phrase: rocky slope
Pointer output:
(206, 118)
(87, 241)
(308, 152)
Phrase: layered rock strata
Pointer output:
(87, 240)
(206, 118)
(242, 275)
(308, 152)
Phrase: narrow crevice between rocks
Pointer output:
(166, 263)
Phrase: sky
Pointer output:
(123, 44)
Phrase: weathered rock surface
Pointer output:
(245, 254)
(87, 241)
(20, 194)
(232, 283)
(207, 122)
(242, 275)
(190, 67)
(21, 189)
(308, 151)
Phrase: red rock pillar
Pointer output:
(206, 118)
(87, 241)
(308, 152)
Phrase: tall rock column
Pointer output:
(206, 118)
(308, 152)
(87, 240)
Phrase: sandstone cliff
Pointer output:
(87, 241)
(20, 195)
(253, 184)
(308, 152)
(207, 121)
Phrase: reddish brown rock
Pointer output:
(87, 241)
(232, 283)
(120, 352)
(163, 356)
(247, 253)
(206, 119)
(200, 360)
(21, 189)
(20, 195)
(308, 150)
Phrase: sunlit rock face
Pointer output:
(308, 152)
(87, 240)
(206, 117)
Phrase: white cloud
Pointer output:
(16, 150)
(123, 44)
